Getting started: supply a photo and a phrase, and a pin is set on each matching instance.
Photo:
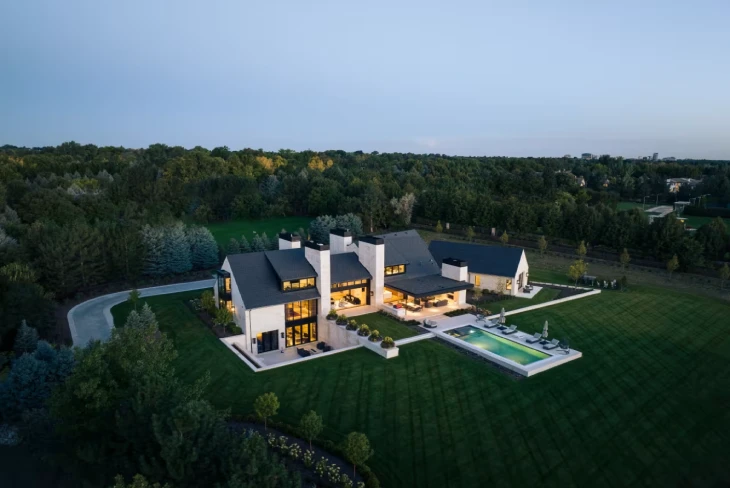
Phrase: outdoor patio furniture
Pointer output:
(321, 345)
(303, 352)
(535, 338)
(412, 307)
(327, 348)
(490, 324)
(441, 303)
(481, 318)
(552, 344)
(429, 324)
(511, 330)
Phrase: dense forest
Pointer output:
(76, 216)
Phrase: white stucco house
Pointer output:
(280, 299)
(492, 268)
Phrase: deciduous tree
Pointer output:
(542, 245)
(672, 265)
(266, 406)
(311, 426)
(356, 448)
(625, 258)
(576, 270)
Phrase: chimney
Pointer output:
(371, 252)
(287, 240)
(456, 269)
(318, 256)
(339, 240)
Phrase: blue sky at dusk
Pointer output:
(541, 78)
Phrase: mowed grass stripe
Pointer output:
(648, 404)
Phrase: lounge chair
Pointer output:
(490, 324)
(303, 352)
(429, 324)
(535, 338)
(321, 346)
(481, 318)
(511, 330)
(552, 345)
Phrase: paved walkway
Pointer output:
(92, 319)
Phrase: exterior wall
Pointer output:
(372, 257)
(239, 308)
(458, 273)
(320, 261)
(266, 319)
(491, 282)
(286, 244)
(339, 244)
(460, 297)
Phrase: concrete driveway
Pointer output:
(92, 319)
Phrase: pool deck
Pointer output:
(557, 356)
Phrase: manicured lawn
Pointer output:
(647, 405)
(697, 222)
(544, 295)
(223, 231)
(387, 326)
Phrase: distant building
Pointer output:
(586, 156)
(674, 184)
(567, 156)
(670, 159)
(655, 157)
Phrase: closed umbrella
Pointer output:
(545, 330)
(502, 318)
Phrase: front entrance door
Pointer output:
(268, 341)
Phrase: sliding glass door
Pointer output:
(268, 341)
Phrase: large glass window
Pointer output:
(477, 280)
(395, 269)
(301, 284)
(301, 310)
(267, 341)
(299, 334)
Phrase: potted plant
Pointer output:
(352, 325)
(332, 315)
(387, 343)
(363, 331)
(341, 320)
(375, 336)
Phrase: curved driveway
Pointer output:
(92, 319)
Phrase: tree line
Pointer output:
(76, 216)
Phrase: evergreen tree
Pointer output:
(203, 248)
(265, 241)
(147, 316)
(133, 320)
(257, 245)
(27, 339)
(176, 250)
(154, 246)
(244, 245)
(234, 247)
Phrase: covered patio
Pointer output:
(424, 296)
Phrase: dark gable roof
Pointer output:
(347, 267)
(408, 248)
(290, 264)
(429, 285)
(259, 284)
(491, 260)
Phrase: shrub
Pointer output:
(374, 336)
(352, 325)
(387, 343)
(308, 458)
(364, 330)
(341, 320)
(236, 330)
(332, 315)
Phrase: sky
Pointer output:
(459, 77)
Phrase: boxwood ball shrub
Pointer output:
(352, 325)
(374, 336)
(364, 330)
(387, 343)
(341, 320)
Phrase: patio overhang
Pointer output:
(426, 286)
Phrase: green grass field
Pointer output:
(544, 295)
(223, 231)
(386, 326)
(647, 405)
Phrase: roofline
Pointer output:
(289, 236)
(463, 285)
(377, 241)
(459, 263)
(317, 246)
(339, 231)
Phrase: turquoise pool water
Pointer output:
(498, 345)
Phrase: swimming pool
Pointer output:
(497, 345)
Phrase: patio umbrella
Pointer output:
(545, 330)
(502, 318)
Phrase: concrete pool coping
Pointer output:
(556, 356)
